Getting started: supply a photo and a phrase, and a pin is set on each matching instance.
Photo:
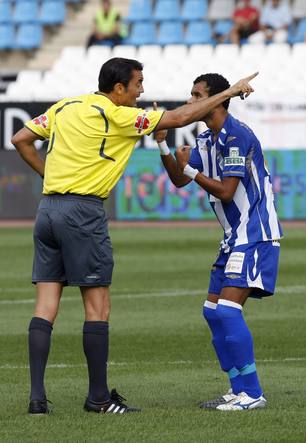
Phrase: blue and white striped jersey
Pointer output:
(251, 216)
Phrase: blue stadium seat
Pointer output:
(5, 12)
(29, 36)
(6, 36)
(170, 33)
(26, 12)
(223, 27)
(52, 13)
(139, 10)
(194, 9)
(142, 34)
(199, 32)
(298, 35)
(166, 10)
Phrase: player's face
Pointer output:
(133, 90)
(198, 92)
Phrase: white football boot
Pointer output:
(242, 402)
(212, 404)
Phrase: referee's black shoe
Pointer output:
(114, 405)
(39, 407)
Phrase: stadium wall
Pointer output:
(144, 192)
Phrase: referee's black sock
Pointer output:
(39, 346)
(95, 345)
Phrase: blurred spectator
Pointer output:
(108, 29)
(274, 22)
(245, 20)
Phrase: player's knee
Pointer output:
(209, 314)
(209, 311)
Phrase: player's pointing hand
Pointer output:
(242, 87)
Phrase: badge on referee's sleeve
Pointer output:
(41, 120)
(142, 122)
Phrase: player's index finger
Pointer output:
(155, 106)
(250, 77)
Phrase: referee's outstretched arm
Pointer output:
(190, 113)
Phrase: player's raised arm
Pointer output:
(175, 174)
(190, 113)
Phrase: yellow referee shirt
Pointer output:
(90, 142)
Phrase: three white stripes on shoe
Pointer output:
(115, 409)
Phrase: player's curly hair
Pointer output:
(117, 70)
(215, 83)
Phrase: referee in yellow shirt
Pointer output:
(91, 138)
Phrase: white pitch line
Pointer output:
(115, 296)
(150, 363)
(162, 293)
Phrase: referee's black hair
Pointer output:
(215, 83)
(117, 70)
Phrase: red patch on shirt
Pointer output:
(41, 120)
(142, 122)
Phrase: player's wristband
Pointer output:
(163, 148)
(190, 172)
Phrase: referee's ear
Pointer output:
(119, 88)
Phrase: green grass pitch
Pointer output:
(161, 358)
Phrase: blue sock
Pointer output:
(218, 341)
(239, 343)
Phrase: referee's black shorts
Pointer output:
(71, 241)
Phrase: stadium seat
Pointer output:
(166, 10)
(29, 36)
(5, 12)
(29, 77)
(71, 58)
(221, 9)
(298, 53)
(99, 53)
(299, 9)
(299, 34)
(251, 55)
(150, 55)
(170, 33)
(26, 12)
(194, 9)
(6, 36)
(198, 32)
(222, 28)
(125, 51)
(174, 54)
(227, 52)
(22, 88)
(52, 13)
(278, 53)
(202, 51)
(139, 10)
(142, 34)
